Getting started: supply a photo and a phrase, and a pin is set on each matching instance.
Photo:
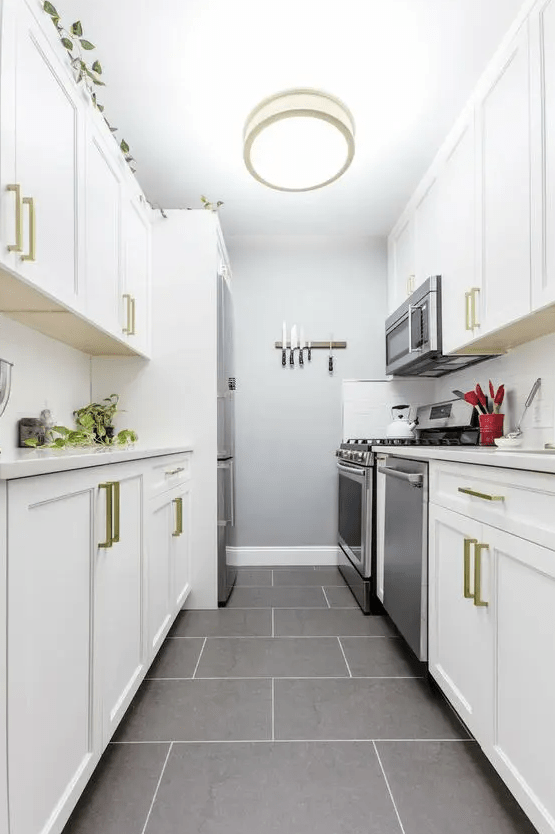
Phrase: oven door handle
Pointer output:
(413, 480)
(352, 470)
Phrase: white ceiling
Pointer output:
(183, 75)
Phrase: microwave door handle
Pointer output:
(413, 307)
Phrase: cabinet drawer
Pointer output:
(168, 472)
(519, 502)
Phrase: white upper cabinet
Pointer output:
(457, 233)
(103, 258)
(403, 272)
(542, 53)
(504, 125)
(426, 235)
(136, 295)
(48, 147)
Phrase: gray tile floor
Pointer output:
(290, 712)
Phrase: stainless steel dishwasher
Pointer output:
(406, 549)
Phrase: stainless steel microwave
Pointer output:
(413, 343)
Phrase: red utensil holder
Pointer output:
(491, 426)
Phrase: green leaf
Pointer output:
(68, 43)
(96, 67)
(77, 29)
(100, 107)
(124, 146)
(49, 9)
(59, 443)
(86, 44)
(61, 430)
(96, 80)
(32, 441)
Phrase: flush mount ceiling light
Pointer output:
(299, 140)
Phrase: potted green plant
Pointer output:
(94, 426)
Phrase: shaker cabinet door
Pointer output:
(136, 296)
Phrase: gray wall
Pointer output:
(288, 422)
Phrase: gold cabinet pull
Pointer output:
(132, 332)
(32, 254)
(478, 601)
(483, 495)
(473, 293)
(467, 545)
(467, 302)
(178, 516)
(116, 494)
(109, 514)
(127, 328)
(175, 471)
(18, 245)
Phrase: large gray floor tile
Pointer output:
(274, 788)
(361, 709)
(253, 577)
(290, 567)
(329, 576)
(340, 597)
(277, 598)
(449, 788)
(118, 797)
(199, 710)
(272, 657)
(223, 622)
(176, 659)
(331, 622)
(380, 657)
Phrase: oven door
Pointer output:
(413, 335)
(355, 515)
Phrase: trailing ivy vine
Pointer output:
(76, 46)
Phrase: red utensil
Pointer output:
(482, 398)
(472, 398)
(498, 399)
(491, 390)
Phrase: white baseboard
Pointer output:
(260, 556)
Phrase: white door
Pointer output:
(103, 259)
(181, 548)
(404, 263)
(53, 737)
(121, 595)
(461, 630)
(522, 747)
(160, 586)
(542, 43)
(426, 235)
(136, 309)
(504, 124)
(48, 160)
(460, 283)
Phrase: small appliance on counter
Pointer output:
(401, 425)
(413, 337)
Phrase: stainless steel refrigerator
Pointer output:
(226, 437)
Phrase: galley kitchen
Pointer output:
(277, 417)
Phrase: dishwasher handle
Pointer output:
(414, 480)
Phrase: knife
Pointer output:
(284, 344)
(294, 345)
(310, 351)
(301, 346)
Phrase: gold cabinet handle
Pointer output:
(109, 515)
(178, 516)
(473, 293)
(127, 328)
(116, 493)
(32, 254)
(483, 495)
(18, 245)
(478, 601)
(467, 545)
(467, 303)
(132, 332)
(175, 471)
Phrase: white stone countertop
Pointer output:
(23, 463)
(533, 460)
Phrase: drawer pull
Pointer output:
(478, 601)
(178, 516)
(175, 471)
(483, 495)
(467, 544)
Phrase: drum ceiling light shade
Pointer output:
(299, 140)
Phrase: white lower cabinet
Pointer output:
(79, 642)
(491, 644)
